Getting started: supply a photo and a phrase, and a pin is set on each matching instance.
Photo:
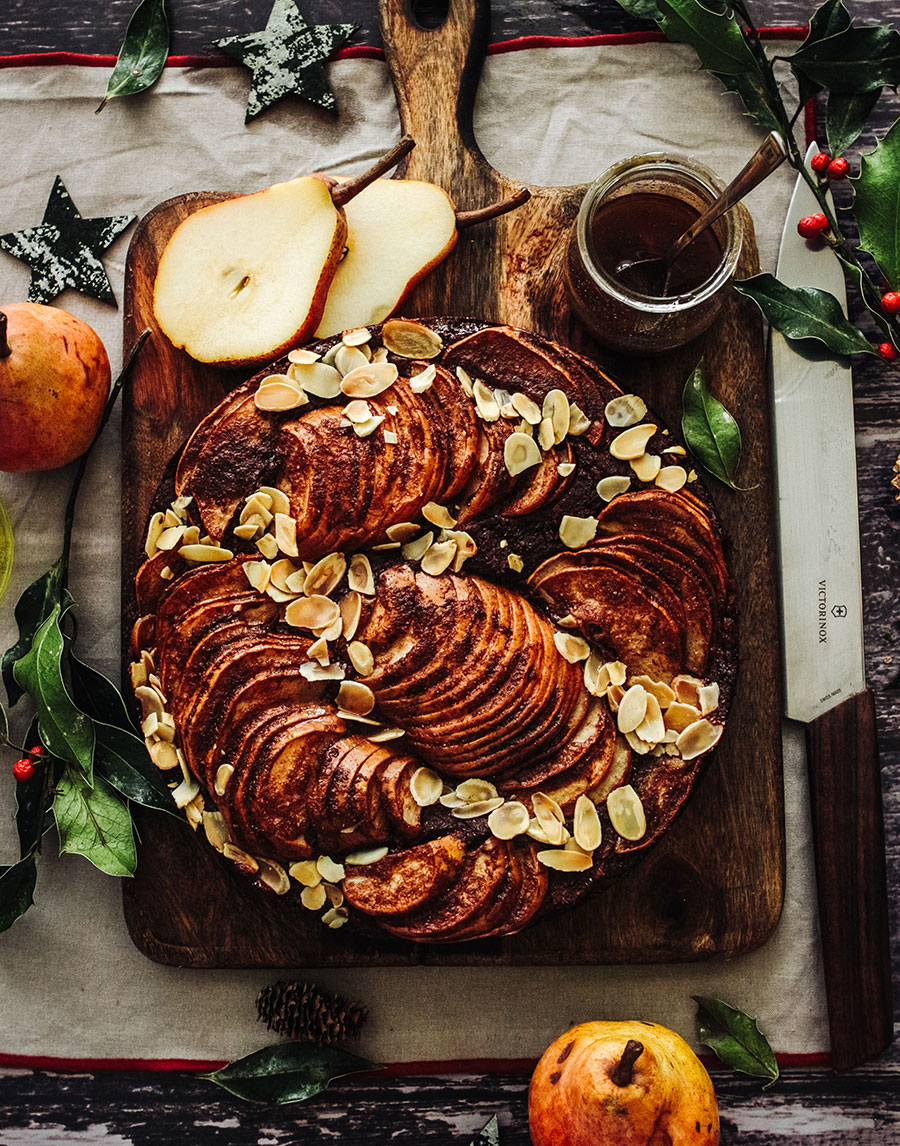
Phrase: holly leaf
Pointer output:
(16, 890)
(711, 433)
(641, 9)
(846, 116)
(142, 56)
(287, 1072)
(715, 36)
(65, 730)
(122, 758)
(735, 1039)
(755, 96)
(32, 609)
(852, 61)
(489, 1134)
(828, 19)
(876, 204)
(95, 823)
(805, 312)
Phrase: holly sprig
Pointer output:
(86, 763)
(852, 64)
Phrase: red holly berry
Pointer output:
(23, 769)
(819, 163)
(888, 351)
(890, 302)
(811, 226)
(838, 168)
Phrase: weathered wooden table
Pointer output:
(809, 1104)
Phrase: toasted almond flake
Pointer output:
(474, 810)
(579, 422)
(403, 531)
(651, 729)
(303, 356)
(138, 673)
(515, 562)
(614, 695)
(550, 817)
(154, 530)
(358, 336)
(280, 572)
(216, 830)
(509, 411)
(356, 698)
(502, 397)
(632, 708)
(571, 648)
(687, 689)
(438, 557)
(536, 832)
(617, 672)
(423, 381)
(692, 475)
(671, 478)
(359, 576)
(409, 339)
(163, 755)
(370, 855)
(416, 550)
(358, 411)
(520, 453)
(349, 358)
(315, 612)
(511, 819)
(180, 504)
(586, 829)
(320, 379)
(560, 859)
(680, 716)
(709, 698)
(567, 622)
(258, 573)
(150, 725)
(171, 519)
(243, 859)
(466, 546)
(698, 738)
(170, 537)
(223, 774)
(325, 575)
(305, 872)
(331, 632)
(318, 651)
(626, 813)
(596, 676)
(247, 531)
(191, 536)
(330, 870)
(632, 443)
(390, 438)
(166, 573)
(565, 469)
(202, 553)
(279, 596)
(336, 917)
(346, 715)
(625, 410)
(268, 546)
(451, 800)
(369, 380)
(384, 734)
(438, 515)
(257, 508)
(527, 409)
(386, 545)
(572, 845)
(476, 791)
(641, 747)
(658, 688)
(576, 532)
(186, 792)
(485, 402)
(335, 895)
(361, 658)
(545, 434)
(366, 429)
(679, 451)
(556, 408)
(351, 610)
(647, 466)
(286, 534)
(274, 876)
(312, 671)
(425, 787)
(313, 898)
(279, 396)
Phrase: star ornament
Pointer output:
(64, 249)
(287, 58)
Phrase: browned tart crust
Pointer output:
(436, 628)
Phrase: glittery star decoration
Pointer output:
(64, 249)
(287, 58)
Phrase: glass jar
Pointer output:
(637, 209)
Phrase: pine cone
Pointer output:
(895, 480)
(301, 1011)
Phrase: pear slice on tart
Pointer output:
(404, 881)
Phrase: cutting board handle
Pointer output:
(435, 73)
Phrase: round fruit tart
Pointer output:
(436, 628)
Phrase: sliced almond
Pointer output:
(617, 672)
(423, 381)
(186, 792)
(625, 410)
(358, 411)
(278, 500)
(370, 855)
(511, 819)
(479, 808)
(425, 787)
(331, 632)
(356, 697)
(258, 573)
(243, 859)
(336, 917)
(367, 428)
(545, 434)
(632, 708)
(223, 774)
(571, 648)
(163, 755)
(325, 575)
(312, 671)
(556, 408)
(451, 800)
(249, 530)
(202, 553)
(550, 817)
(154, 530)
(465, 381)
(276, 396)
(474, 791)
(579, 422)
(671, 478)
(268, 546)
(360, 576)
(560, 859)
(466, 546)
(515, 562)
(167, 539)
(626, 813)
(485, 402)
(632, 443)
(647, 466)
(658, 688)
(586, 828)
(409, 339)
(641, 747)
(318, 651)
(681, 716)
(698, 738)
(361, 658)
(330, 870)
(280, 573)
(358, 336)
(529, 410)
(416, 550)
(651, 729)
(438, 515)
(576, 532)
(369, 380)
(536, 832)
(596, 676)
(313, 898)
(216, 830)
(687, 689)
(303, 356)
(274, 876)
(305, 872)
(316, 378)
(348, 358)
(520, 453)
(438, 557)
(286, 534)
(383, 734)
(565, 469)
(351, 610)
(403, 531)
(314, 612)
(709, 698)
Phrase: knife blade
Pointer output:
(824, 666)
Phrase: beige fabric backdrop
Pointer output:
(71, 983)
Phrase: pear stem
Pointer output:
(343, 192)
(482, 214)
(5, 349)
(623, 1071)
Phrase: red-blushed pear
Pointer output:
(397, 231)
(243, 280)
(54, 382)
(621, 1084)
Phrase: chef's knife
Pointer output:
(825, 685)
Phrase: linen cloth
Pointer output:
(71, 983)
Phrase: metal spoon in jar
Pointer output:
(651, 276)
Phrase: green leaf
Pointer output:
(4, 725)
(95, 823)
(16, 890)
(828, 19)
(735, 1038)
(142, 56)
(805, 312)
(863, 286)
(846, 116)
(96, 695)
(122, 758)
(715, 36)
(876, 204)
(711, 433)
(852, 61)
(756, 98)
(489, 1134)
(287, 1072)
(65, 730)
(34, 798)
(640, 9)
(32, 609)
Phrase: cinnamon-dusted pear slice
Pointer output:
(491, 481)
(534, 881)
(448, 406)
(202, 584)
(405, 881)
(149, 584)
(595, 742)
(244, 279)
(542, 485)
(397, 801)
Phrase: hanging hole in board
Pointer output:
(430, 13)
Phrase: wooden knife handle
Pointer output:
(848, 831)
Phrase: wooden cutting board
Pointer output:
(714, 885)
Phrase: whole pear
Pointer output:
(621, 1084)
(54, 381)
